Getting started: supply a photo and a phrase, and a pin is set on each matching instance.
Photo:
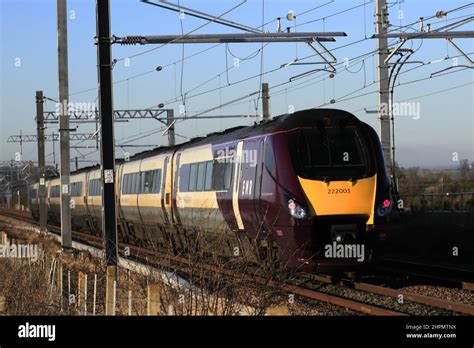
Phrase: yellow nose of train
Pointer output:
(341, 197)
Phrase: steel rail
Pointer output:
(294, 289)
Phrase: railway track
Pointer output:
(396, 294)
(309, 286)
(457, 277)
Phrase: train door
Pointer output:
(237, 195)
(266, 190)
(174, 170)
(120, 222)
(166, 190)
(47, 201)
(249, 183)
(259, 168)
(141, 178)
(119, 191)
(88, 203)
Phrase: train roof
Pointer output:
(286, 121)
(301, 118)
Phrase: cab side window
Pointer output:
(269, 157)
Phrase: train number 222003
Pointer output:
(336, 191)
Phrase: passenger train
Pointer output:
(278, 192)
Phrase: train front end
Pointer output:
(337, 187)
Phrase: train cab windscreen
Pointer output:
(334, 152)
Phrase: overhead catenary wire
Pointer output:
(188, 33)
(401, 84)
(216, 45)
(319, 79)
(257, 53)
(345, 97)
(188, 57)
(426, 95)
(173, 100)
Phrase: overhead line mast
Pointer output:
(64, 126)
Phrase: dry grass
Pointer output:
(34, 288)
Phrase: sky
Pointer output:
(438, 130)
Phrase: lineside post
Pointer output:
(277, 310)
(3, 239)
(110, 291)
(60, 279)
(107, 146)
(265, 102)
(82, 291)
(3, 306)
(153, 299)
(170, 124)
(41, 161)
(66, 239)
(381, 24)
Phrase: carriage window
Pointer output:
(54, 192)
(94, 187)
(198, 177)
(222, 175)
(129, 184)
(184, 178)
(148, 181)
(138, 178)
(192, 177)
(269, 159)
(134, 183)
(76, 189)
(151, 181)
(141, 186)
(208, 183)
(141, 182)
(201, 172)
(218, 175)
(157, 181)
(228, 176)
(125, 184)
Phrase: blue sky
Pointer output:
(28, 37)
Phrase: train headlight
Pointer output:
(296, 210)
(384, 208)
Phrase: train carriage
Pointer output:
(34, 200)
(77, 193)
(281, 191)
(94, 201)
(54, 201)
